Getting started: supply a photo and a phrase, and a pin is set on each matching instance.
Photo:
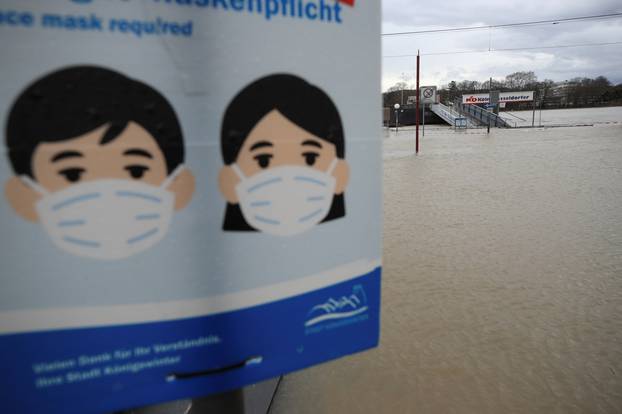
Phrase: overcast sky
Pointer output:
(558, 64)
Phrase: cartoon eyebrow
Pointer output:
(138, 152)
(261, 144)
(312, 143)
(66, 154)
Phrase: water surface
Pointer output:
(502, 284)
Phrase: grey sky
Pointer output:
(557, 64)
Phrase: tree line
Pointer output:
(576, 92)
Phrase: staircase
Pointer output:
(449, 115)
(480, 116)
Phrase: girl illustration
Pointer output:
(282, 143)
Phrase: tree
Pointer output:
(613, 95)
(469, 86)
(495, 85)
(588, 92)
(601, 82)
(400, 86)
(520, 80)
(452, 91)
(544, 87)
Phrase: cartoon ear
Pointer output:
(22, 198)
(183, 187)
(342, 176)
(227, 180)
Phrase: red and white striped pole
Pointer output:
(417, 110)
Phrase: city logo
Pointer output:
(345, 309)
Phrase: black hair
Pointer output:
(75, 100)
(302, 103)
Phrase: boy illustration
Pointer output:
(98, 161)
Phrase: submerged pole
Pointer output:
(533, 115)
(417, 110)
(423, 118)
(489, 98)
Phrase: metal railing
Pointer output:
(480, 115)
(449, 115)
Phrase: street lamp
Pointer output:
(397, 107)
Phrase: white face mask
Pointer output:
(106, 219)
(286, 200)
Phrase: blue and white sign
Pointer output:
(460, 122)
(191, 204)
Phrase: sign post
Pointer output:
(423, 120)
(533, 114)
(428, 96)
(494, 101)
(152, 249)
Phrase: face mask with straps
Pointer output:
(106, 219)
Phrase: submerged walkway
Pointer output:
(502, 285)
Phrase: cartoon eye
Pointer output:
(310, 157)
(263, 160)
(137, 171)
(72, 175)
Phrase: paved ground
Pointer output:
(502, 285)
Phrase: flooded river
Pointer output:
(502, 283)
(595, 116)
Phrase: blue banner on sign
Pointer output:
(164, 361)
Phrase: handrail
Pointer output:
(448, 114)
(515, 116)
(444, 112)
(481, 115)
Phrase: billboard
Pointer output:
(504, 97)
(190, 204)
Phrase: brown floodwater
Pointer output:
(502, 283)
